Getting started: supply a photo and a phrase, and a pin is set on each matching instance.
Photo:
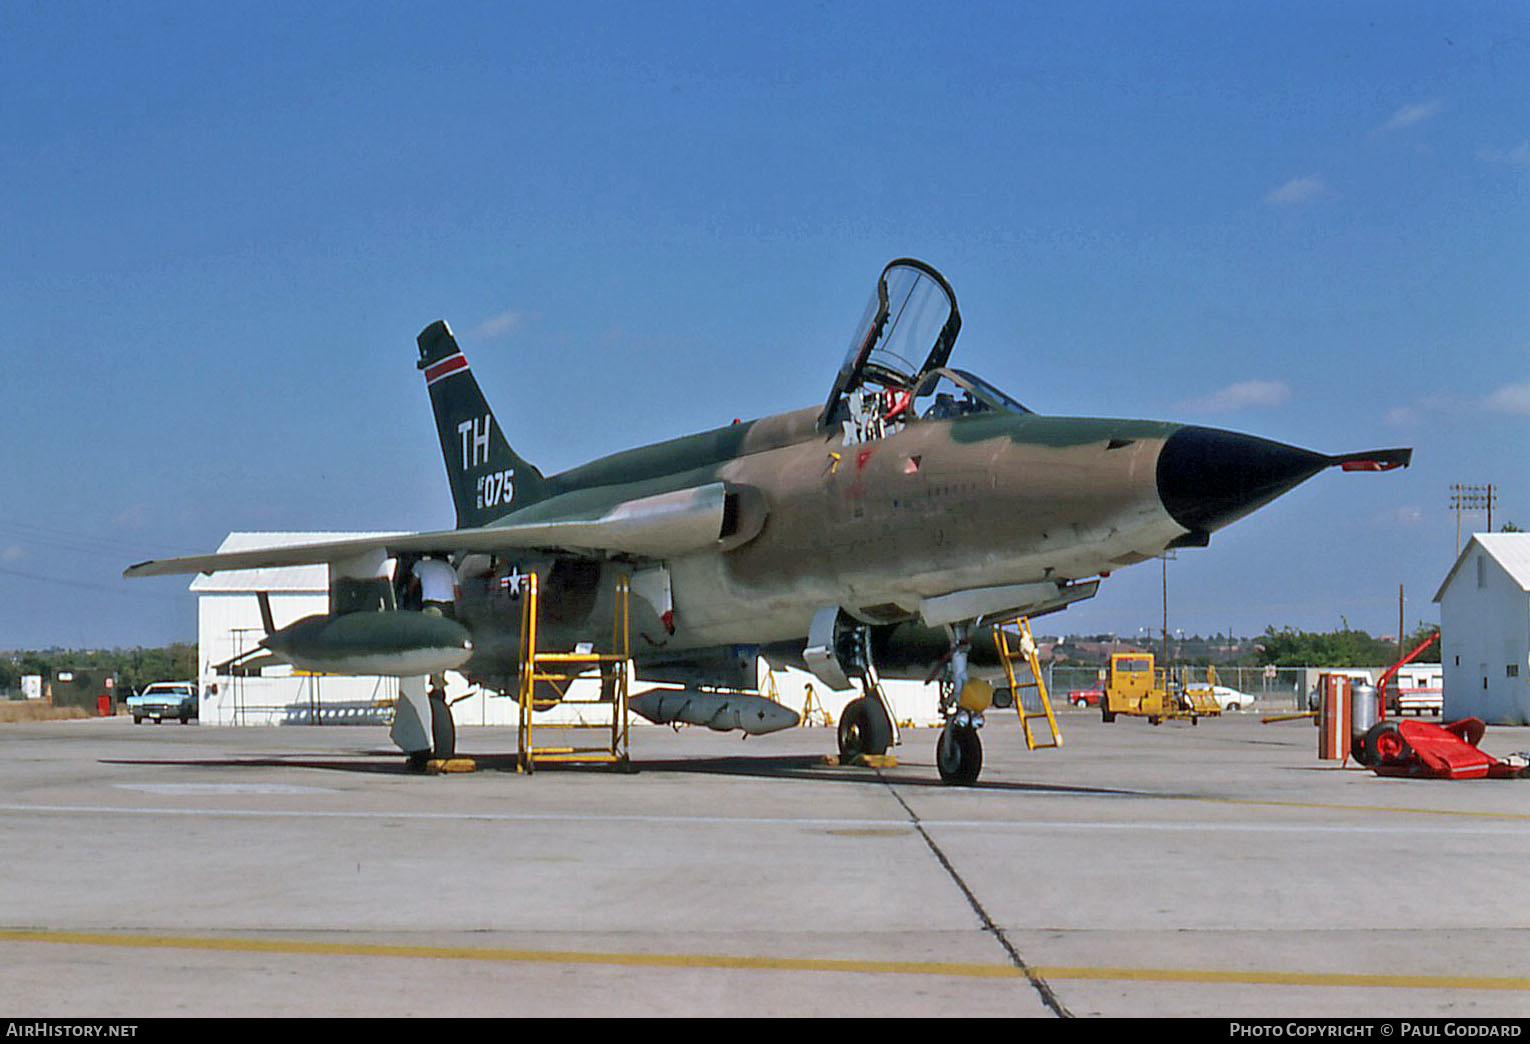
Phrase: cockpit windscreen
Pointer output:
(944, 393)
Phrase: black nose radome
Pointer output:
(1209, 478)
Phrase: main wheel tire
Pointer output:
(959, 755)
(443, 731)
(863, 729)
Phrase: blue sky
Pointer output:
(224, 224)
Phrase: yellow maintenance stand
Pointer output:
(547, 677)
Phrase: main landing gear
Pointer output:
(867, 726)
(864, 728)
(424, 726)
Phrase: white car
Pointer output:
(1232, 699)
(1227, 699)
(163, 700)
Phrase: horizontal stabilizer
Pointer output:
(658, 526)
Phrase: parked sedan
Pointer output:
(1232, 699)
(1085, 697)
(161, 700)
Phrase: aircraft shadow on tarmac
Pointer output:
(790, 766)
(367, 764)
(808, 766)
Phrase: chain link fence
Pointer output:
(1273, 688)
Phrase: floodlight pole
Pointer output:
(1471, 498)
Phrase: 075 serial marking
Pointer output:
(496, 488)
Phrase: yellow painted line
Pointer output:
(721, 961)
(630, 960)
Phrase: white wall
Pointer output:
(914, 703)
(1484, 630)
(229, 623)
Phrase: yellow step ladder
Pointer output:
(1021, 648)
(547, 678)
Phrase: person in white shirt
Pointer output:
(437, 582)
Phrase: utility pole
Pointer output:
(1166, 556)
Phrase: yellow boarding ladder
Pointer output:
(1021, 648)
(546, 679)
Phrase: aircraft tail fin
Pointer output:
(488, 479)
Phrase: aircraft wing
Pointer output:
(659, 526)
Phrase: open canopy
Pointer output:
(908, 329)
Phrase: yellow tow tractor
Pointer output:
(1137, 688)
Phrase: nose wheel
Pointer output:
(958, 750)
(959, 754)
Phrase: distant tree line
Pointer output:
(1289, 647)
(1282, 647)
(133, 668)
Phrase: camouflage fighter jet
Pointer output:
(875, 535)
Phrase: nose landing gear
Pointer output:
(959, 753)
(958, 750)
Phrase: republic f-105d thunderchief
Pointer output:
(879, 533)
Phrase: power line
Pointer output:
(49, 536)
(58, 581)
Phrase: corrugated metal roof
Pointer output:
(287, 578)
(1509, 550)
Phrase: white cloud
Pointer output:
(497, 326)
(1409, 115)
(1406, 515)
(1242, 395)
(1297, 190)
(1518, 156)
(133, 516)
(1511, 398)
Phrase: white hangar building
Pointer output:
(1485, 630)
(229, 625)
